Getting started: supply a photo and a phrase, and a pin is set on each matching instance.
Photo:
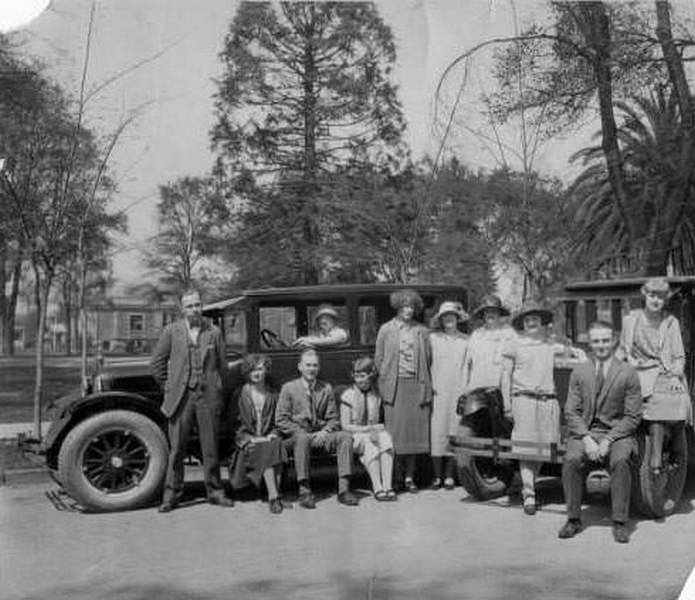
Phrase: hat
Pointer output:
(491, 301)
(657, 285)
(326, 310)
(452, 307)
(531, 307)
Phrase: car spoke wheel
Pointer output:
(658, 495)
(115, 460)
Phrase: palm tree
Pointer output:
(650, 139)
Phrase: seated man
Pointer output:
(603, 410)
(328, 334)
(307, 417)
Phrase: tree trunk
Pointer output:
(12, 305)
(309, 227)
(83, 317)
(663, 242)
(42, 294)
(6, 334)
(67, 303)
(595, 26)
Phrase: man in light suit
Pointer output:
(188, 364)
(603, 410)
(307, 417)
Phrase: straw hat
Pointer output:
(532, 307)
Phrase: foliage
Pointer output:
(192, 215)
(306, 93)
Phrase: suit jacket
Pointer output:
(171, 368)
(249, 420)
(386, 359)
(618, 407)
(294, 412)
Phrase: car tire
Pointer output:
(113, 461)
(481, 477)
(658, 496)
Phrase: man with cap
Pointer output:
(602, 411)
(328, 334)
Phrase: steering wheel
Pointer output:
(272, 339)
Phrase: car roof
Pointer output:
(613, 288)
(318, 292)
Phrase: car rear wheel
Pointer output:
(658, 495)
(112, 461)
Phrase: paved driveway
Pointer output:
(432, 545)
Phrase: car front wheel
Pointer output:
(113, 461)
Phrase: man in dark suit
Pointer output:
(307, 417)
(603, 410)
(188, 363)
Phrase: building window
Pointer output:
(136, 325)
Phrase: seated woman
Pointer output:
(328, 333)
(260, 453)
(360, 414)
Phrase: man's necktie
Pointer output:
(365, 409)
(599, 378)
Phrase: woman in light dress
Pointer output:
(483, 368)
(528, 389)
(449, 347)
(651, 341)
(360, 414)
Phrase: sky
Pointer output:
(178, 42)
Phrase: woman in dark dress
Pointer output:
(260, 453)
(403, 356)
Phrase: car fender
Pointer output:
(95, 403)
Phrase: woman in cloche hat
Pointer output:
(528, 389)
(328, 333)
(448, 379)
(484, 358)
(651, 341)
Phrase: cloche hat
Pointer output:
(326, 310)
(449, 306)
(491, 301)
(532, 307)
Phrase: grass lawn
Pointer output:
(17, 385)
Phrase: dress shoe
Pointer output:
(436, 483)
(620, 532)
(390, 496)
(276, 506)
(449, 483)
(530, 506)
(306, 500)
(166, 506)
(220, 500)
(410, 486)
(570, 529)
(347, 498)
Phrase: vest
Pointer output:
(195, 375)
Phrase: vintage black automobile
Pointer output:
(484, 452)
(107, 444)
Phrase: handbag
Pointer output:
(667, 403)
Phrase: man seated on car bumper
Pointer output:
(307, 417)
(602, 410)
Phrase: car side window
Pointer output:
(235, 331)
(368, 325)
(277, 326)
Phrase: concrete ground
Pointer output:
(426, 546)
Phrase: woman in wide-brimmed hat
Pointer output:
(328, 333)
(449, 347)
(403, 356)
(651, 341)
(484, 358)
(528, 389)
